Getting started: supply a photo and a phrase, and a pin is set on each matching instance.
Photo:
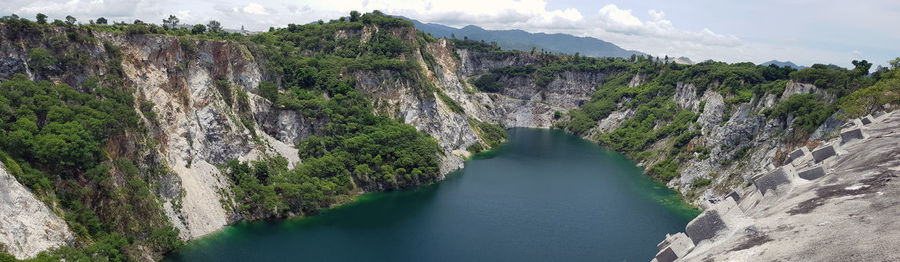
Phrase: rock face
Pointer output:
(204, 98)
(202, 118)
(841, 208)
(196, 124)
(27, 226)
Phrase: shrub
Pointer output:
(489, 83)
(455, 107)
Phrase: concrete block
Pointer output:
(735, 196)
(812, 173)
(854, 134)
(794, 155)
(666, 255)
(771, 181)
(878, 114)
(664, 244)
(705, 226)
(866, 120)
(674, 246)
(823, 153)
(849, 124)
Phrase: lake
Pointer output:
(543, 196)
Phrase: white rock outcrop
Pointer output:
(27, 226)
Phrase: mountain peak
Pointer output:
(783, 64)
(525, 41)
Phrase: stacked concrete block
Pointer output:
(664, 244)
(674, 247)
(749, 199)
(812, 173)
(772, 180)
(867, 120)
(823, 153)
(705, 226)
(878, 115)
(849, 124)
(794, 155)
(734, 196)
(851, 135)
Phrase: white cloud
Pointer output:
(699, 30)
(254, 8)
(618, 20)
(84, 10)
(615, 20)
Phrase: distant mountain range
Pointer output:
(525, 41)
(783, 64)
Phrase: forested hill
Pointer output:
(128, 139)
(525, 41)
(783, 64)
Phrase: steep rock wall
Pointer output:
(199, 125)
(27, 225)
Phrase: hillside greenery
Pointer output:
(57, 137)
(657, 118)
(356, 149)
(54, 140)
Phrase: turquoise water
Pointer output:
(543, 196)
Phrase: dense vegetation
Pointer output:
(493, 135)
(65, 131)
(356, 149)
(657, 118)
(55, 139)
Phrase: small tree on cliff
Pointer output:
(171, 22)
(214, 26)
(198, 29)
(41, 18)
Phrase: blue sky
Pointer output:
(806, 32)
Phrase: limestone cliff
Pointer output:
(201, 104)
(199, 101)
(27, 225)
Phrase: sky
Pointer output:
(803, 31)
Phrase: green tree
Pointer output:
(198, 29)
(171, 22)
(214, 26)
(861, 68)
(40, 59)
(41, 18)
(354, 16)
(70, 20)
(101, 21)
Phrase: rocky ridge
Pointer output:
(27, 225)
(848, 182)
